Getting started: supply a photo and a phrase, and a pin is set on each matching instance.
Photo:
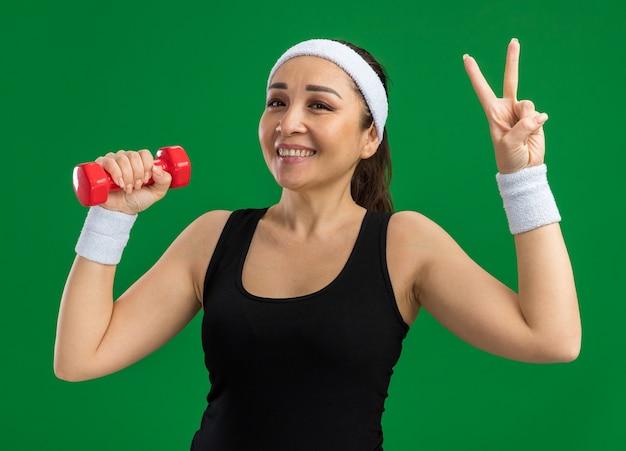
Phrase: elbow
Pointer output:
(566, 354)
(67, 371)
(70, 376)
(65, 374)
(71, 366)
(574, 350)
(565, 350)
(570, 346)
(66, 377)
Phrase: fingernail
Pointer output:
(120, 183)
(542, 118)
(514, 40)
(138, 183)
(146, 177)
(465, 55)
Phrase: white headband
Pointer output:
(354, 65)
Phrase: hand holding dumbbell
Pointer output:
(92, 183)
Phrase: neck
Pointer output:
(306, 213)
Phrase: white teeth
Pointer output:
(295, 152)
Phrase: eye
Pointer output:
(273, 103)
(320, 106)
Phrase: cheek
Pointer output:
(266, 138)
(266, 131)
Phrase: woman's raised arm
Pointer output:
(540, 323)
(97, 336)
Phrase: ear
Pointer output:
(370, 146)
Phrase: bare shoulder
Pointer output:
(410, 228)
(414, 240)
(419, 240)
(199, 238)
(414, 244)
(195, 245)
(408, 246)
(208, 227)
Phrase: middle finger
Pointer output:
(511, 70)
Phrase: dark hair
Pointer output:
(372, 176)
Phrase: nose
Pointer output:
(291, 122)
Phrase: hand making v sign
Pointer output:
(516, 127)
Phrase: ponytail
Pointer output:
(372, 176)
(371, 180)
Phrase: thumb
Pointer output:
(162, 179)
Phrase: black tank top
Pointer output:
(305, 373)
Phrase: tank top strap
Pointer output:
(237, 233)
(370, 254)
(369, 260)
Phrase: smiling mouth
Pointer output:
(302, 153)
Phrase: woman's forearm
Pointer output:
(84, 316)
(547, 292)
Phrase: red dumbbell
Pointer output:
(92, 183)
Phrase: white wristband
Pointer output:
(104, 235)
(528, 200)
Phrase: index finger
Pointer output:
(483, 91)
(511, 70)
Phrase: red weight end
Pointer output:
(91, 184)
(177, 164)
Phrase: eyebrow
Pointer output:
(314, 88)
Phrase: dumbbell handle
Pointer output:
(92, 183)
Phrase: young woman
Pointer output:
(306, 303)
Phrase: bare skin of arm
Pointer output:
(96, 335)
(540, 323)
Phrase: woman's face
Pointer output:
(310, 131)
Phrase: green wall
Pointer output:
(79, 78)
